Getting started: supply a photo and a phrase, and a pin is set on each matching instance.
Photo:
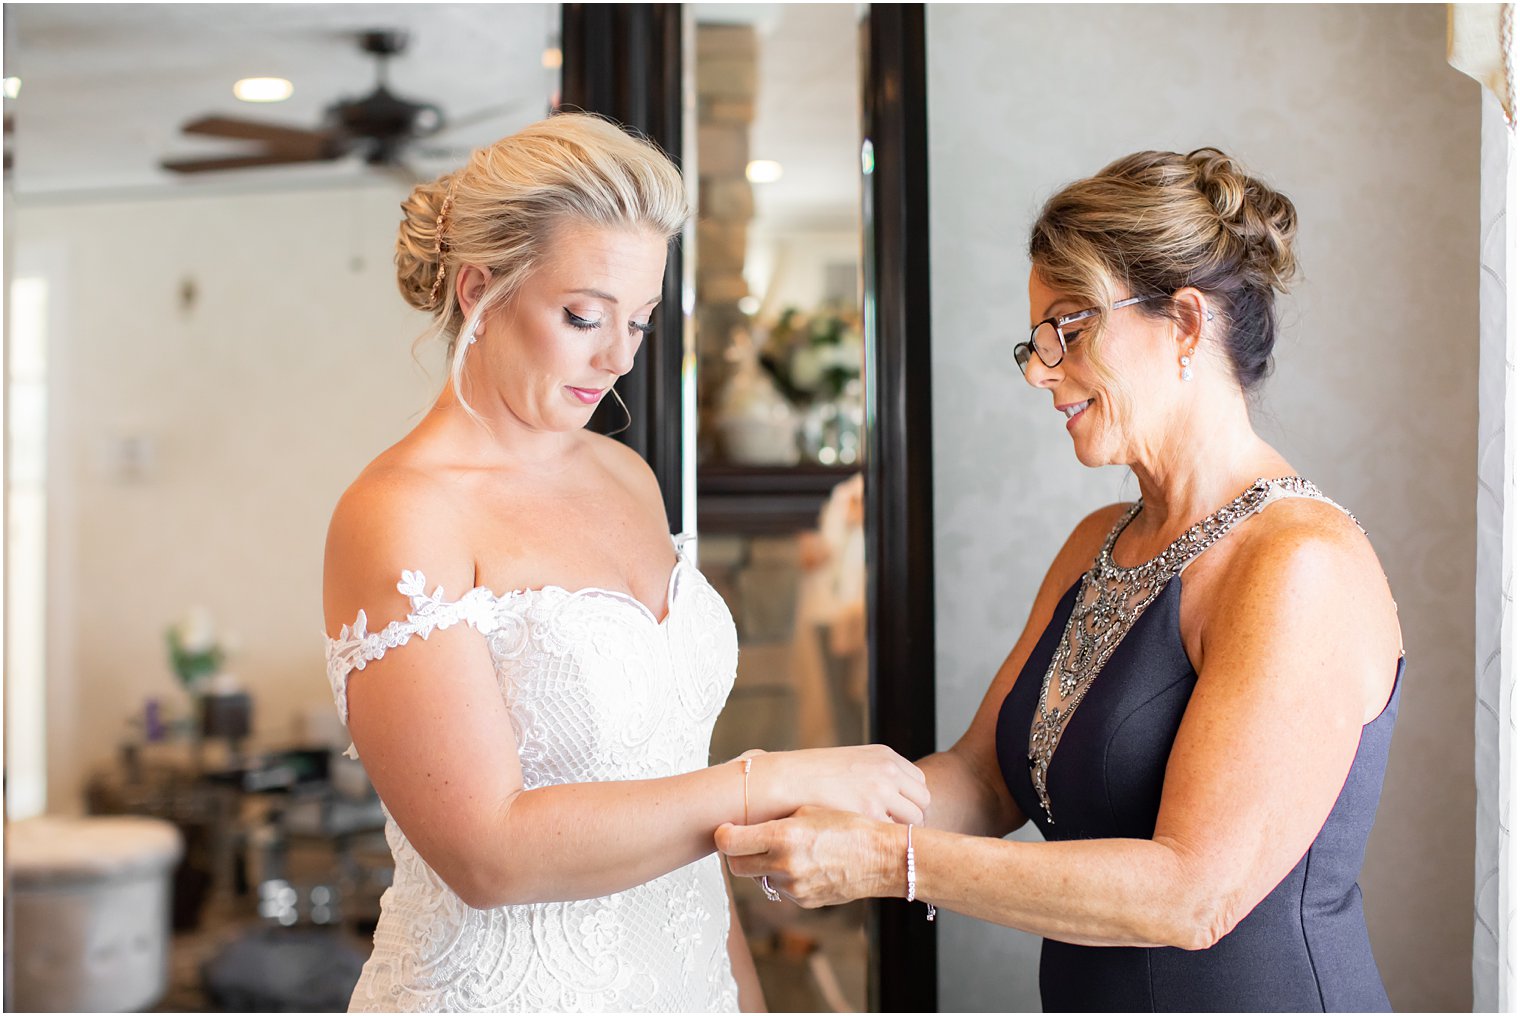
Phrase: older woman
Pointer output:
(1197, 714)
(535, 694)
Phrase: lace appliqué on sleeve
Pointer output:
(355, 646)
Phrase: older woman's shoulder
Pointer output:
(1307, 539)
(1306, 522)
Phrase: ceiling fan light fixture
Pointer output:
(763, 171)
(263, 89)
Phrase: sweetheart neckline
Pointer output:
(622, 597)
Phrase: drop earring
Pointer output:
(627, 416)
(1187, 368)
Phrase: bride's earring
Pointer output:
(1187, 368)
(469, 337)
(627, 416)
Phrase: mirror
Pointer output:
(780, 414)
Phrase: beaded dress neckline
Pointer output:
(1112, 597)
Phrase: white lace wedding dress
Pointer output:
(598, 689)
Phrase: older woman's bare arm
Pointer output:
(966, 784)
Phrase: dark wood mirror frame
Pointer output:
(625, 61)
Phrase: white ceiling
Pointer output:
(807, 114)
(106, 86)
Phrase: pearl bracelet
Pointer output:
(913, 876)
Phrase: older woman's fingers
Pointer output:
(748, 865)
(753, 866)
(740, 839)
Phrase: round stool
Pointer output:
(89, 912)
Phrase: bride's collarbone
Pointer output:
(636, 561)
(585, 532)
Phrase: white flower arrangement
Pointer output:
(196, 654)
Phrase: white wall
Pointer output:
(788, 266)
(262, 400)
(1352, 112)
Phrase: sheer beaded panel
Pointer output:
(596, 690)
(1111, 599)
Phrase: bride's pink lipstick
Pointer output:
(590, 396)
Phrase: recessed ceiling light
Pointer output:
(763, 171)
(12, 87)
(553, 59)
(263, 89)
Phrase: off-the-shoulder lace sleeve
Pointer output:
(355, 646)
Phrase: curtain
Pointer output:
(1480, 43)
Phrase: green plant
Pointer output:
(813, 356)
(194, 652)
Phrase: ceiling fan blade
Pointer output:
(294, 139)
(441, 153)
(486, 115)
(404, 173)
(237, 162)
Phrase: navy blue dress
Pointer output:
(1304, 948)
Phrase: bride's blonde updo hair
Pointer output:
(499, 212)
(1154, 222)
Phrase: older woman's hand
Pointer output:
(820, 857)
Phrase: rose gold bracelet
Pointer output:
(747, 763)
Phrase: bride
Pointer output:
(528, 666)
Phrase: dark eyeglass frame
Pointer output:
(1024, 350)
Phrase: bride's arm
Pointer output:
(433, 731)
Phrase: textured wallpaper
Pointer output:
(1352, 112)
(1495, 727)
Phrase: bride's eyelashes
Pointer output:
(584, 324)
(574, 320)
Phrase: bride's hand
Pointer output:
(870, 780)
(819, 857)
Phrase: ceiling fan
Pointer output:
(379, 126)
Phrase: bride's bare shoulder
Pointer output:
(628, 468)
(399, 514)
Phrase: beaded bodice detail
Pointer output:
(1111, 598)
(596, 689)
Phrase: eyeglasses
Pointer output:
(1049, 339)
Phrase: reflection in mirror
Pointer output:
(780, 356)
(199, 359)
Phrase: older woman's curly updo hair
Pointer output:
(499, 211)
(1155, 222)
